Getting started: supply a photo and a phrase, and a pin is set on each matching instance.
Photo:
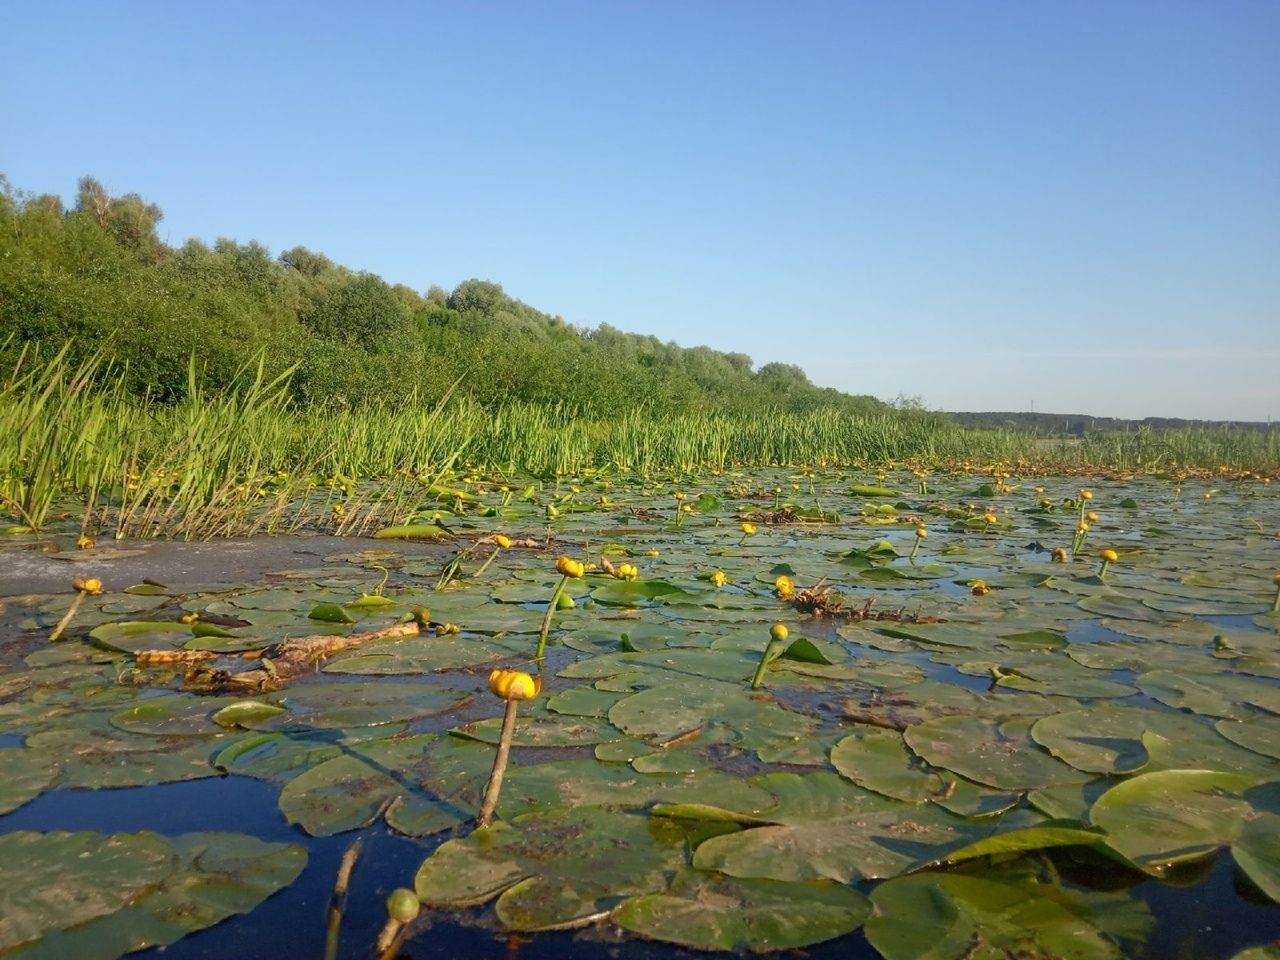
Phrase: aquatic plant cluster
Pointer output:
(911, 708)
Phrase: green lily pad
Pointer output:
(97, 897)
(881, 762)
(708, 912)
(1261, 735)
(1257, 852)
(674, 708)
(998, 755)
(825, 828)
(1095, 741)
(330, 613)
(1170, 816)
(134, 635)
(552, 869)
(942, 917)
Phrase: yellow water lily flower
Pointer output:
(569, 567)
(749, 529)
(514, 685)
(778, 632)
(91, 586)
(1059, 554)
(503, 541)
(719, 578)
(979, 588)
(785, 586)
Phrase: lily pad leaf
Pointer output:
(1257, 852)
(1170, 816)
(134, 635)
(554, 868)
(1095, 741)
(708, 912)
(245, 712)
(330, 613)
(98, 897)
(881, 762)
(933, 916)
(805, 651)
(413, 531)
(1025, 840)
(998, 755)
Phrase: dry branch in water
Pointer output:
(277, 664)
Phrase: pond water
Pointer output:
(1077, 764)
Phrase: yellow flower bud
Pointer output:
(778, 632)
(719, 579)
(1059, 554)
(748, 528)
(514, 685)
(1091, 517)
(92, 586)
(921, 532)
(1086, 494)
(503, 541)
(979, 588)
(1109, 555)
(570, 567)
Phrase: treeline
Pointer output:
(98, 277)
(1082, 425)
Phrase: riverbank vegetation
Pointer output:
(204, 391)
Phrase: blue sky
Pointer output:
(1074, 206)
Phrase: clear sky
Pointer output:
(991, 206)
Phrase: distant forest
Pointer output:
(1080, 425)
(98, 277)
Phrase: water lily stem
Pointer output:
(388, 939)
(485, 566)
(546, 622)
(66, 617)
(1275, 607)
(338, 902)
(764, 662)
(499, 771)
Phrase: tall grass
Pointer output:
(245, 459)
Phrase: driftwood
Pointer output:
(278, 663)
(283, 661)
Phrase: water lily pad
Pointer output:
(554, 868)
(942, 917)
(708, 912)
(1261, 735)
(419, 655)
(546, 730)
(998, 755)
(881, 762)
(825, 828)
(1257, 852)
(51, 881)
(24, 775)
(1163, 818)
(213, 876)
(363, 703)
(134, 635)
(1095, 741)
(674, 708)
